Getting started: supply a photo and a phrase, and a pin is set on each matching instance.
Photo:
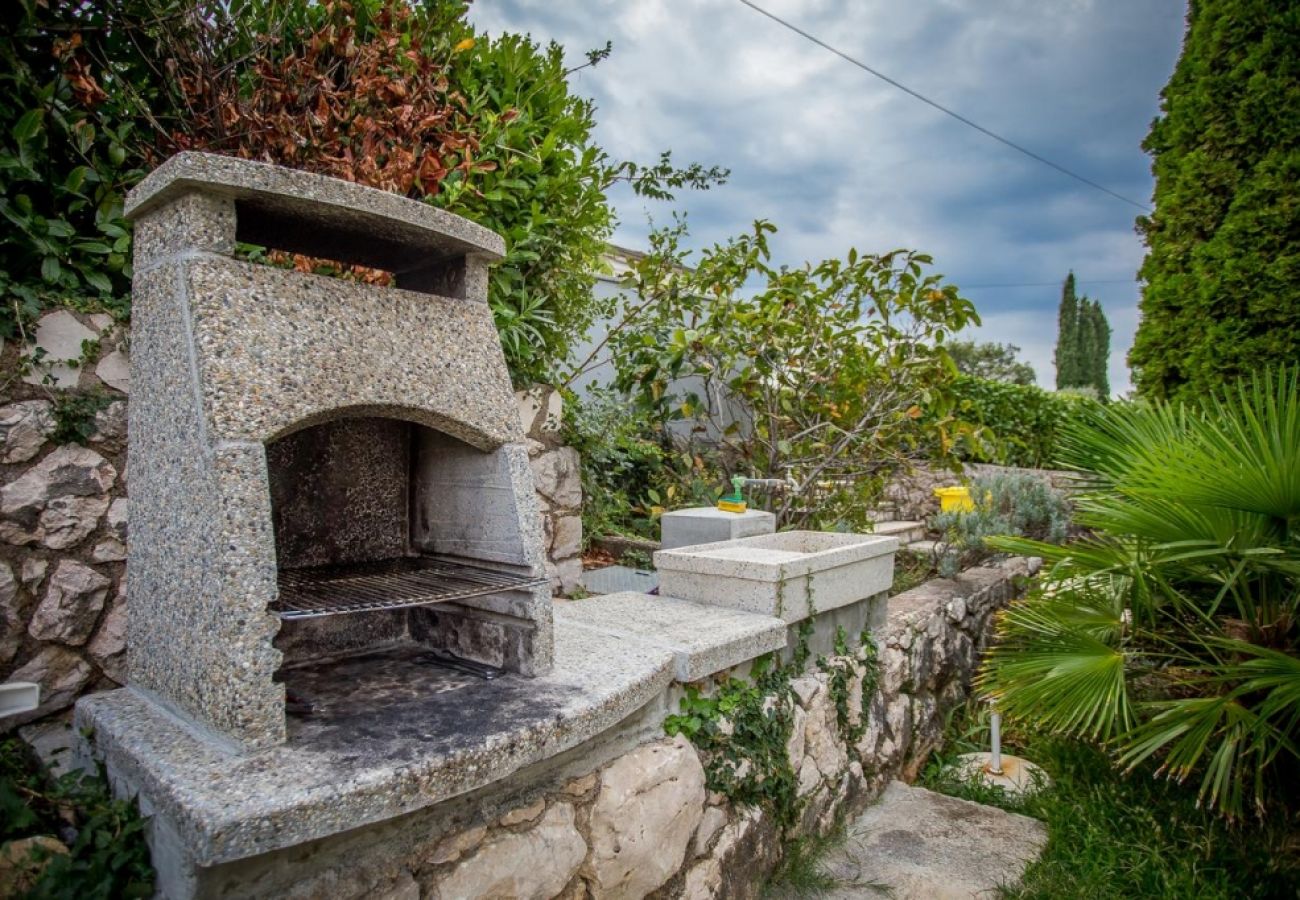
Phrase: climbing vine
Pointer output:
(840, 671)
(743, 728)
(742, 731)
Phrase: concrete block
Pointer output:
(791, 575)
(708, 524)
(703, 639)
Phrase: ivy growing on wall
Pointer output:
(743, 728)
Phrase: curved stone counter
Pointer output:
(411, 737)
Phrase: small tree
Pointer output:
(993, 362)
(827, 377)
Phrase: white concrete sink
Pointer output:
(790, 575)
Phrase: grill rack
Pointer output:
(400, 583)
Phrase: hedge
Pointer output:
(1018, 424)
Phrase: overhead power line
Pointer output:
(1027, 284)
(945, 110)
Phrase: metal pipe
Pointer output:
(995, 758)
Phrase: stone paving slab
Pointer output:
(703, 639)
(914, 844)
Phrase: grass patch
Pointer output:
(1116, 836)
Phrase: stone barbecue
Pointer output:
(322, 471)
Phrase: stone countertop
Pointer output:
(703, 639)
(368, 758)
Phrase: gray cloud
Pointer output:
(837, 158)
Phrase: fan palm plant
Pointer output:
(1173, 631)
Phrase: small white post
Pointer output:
(995, 758)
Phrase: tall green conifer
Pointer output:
(1221, 280)
(1067, 326)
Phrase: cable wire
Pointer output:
(943, 109)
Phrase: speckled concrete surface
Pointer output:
(791, 575)
(228, 356)
(202, 556)
(344, 221)
(419, 737)
(703, 639)
(279, 350)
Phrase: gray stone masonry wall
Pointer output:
(557, 477)
(642, 823)
(911, 494)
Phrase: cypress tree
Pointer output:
(1221, 280)
(1094, 333)
(1066, 356)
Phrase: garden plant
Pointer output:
(1172, 632)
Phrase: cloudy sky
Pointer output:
(837, 158)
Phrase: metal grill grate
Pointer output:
(388, 584)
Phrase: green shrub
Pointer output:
(1020, 425)
(1010, 503)
(630, 469)
(108, 857)
(400, 96)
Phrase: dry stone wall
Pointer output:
(64, 508)
(63, 511)
(558, 479)
(645, 823)
(910, 495)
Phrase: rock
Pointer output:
(565, 575)
(918, 844)
(534, 864)
(710, 824)
(117, 517)
(956, 610)
(660, 787)
(22, 862)
(404, 887)
(568, 537)
(33, 572)
(113, 547)
(522, 814)
(810, 777)
(703, 881)
(452, 848)
(580, 787)
(109, 550)
(557, 477)
(11, 622)
(110, 422)
(108, 647)
(61, 336)
(541, 409)
(822, 741)
(794, 746)
(24, 428)
(62, 675)
(70, 471)
(806, 689)
(72, 604)
(67, 521)
(115, 371)
(535, 448)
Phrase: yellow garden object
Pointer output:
(954, 499)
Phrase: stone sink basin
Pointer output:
(790, 575)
